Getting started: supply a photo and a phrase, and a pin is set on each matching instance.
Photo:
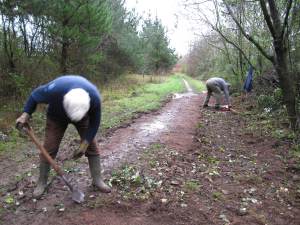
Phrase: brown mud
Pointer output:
(210, 170)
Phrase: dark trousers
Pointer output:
(54, 133)
(213, 89)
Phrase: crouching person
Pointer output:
(75, 100)
(218, 87)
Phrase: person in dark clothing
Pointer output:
(71, 99)
(217, 86)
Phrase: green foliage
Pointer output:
(296, 149)
(278, 95)
(192, 185)
(12, 142)
(124, 44)
(132, 183)
(9, 200)
(128, 176)
(79, 26)
(283, 134)
(158, 56)
(267, 102)
(98, 38)
(270, 118)
(16, 83)
(217, 195)
(272, 102)
(20, 84)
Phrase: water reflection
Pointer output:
(154, 126)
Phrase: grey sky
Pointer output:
(180, 31)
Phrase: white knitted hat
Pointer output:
(76, 104)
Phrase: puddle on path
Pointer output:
(189, 92)
(154, 127)
(183, 95)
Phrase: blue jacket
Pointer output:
(53, 93)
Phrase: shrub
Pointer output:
(270, 102)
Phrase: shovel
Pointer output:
(77, 195)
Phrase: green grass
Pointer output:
(139, 98)
(192, 185)
(195, 84)
(217, 195)
(11, 143)
(295, 153)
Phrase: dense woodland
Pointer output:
(40, 39)
(263, 34)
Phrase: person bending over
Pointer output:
(218, 87)
(73, 100)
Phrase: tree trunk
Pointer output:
(287, 83)
(65, 42)
(7, 45)
(64, 47)
(24, 34)
(64, 57)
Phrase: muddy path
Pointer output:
(204, 167)
(178, 118)
(173, 124)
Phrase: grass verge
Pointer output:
(196, 85)
(121, 100)
(137, 97)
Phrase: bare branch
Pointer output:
(225, 52)
(286, 18)
(233, 44)
(219, 31)
(274, 14)
(250, 38)
(267, 17)
(215, 46)
(228, 57)
(188, 3)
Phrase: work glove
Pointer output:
(81, 150)
(23, 120)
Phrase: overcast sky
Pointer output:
(179, 29)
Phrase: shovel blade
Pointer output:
(77, 195)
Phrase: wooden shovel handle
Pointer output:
(234, 111)
(42, 149)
